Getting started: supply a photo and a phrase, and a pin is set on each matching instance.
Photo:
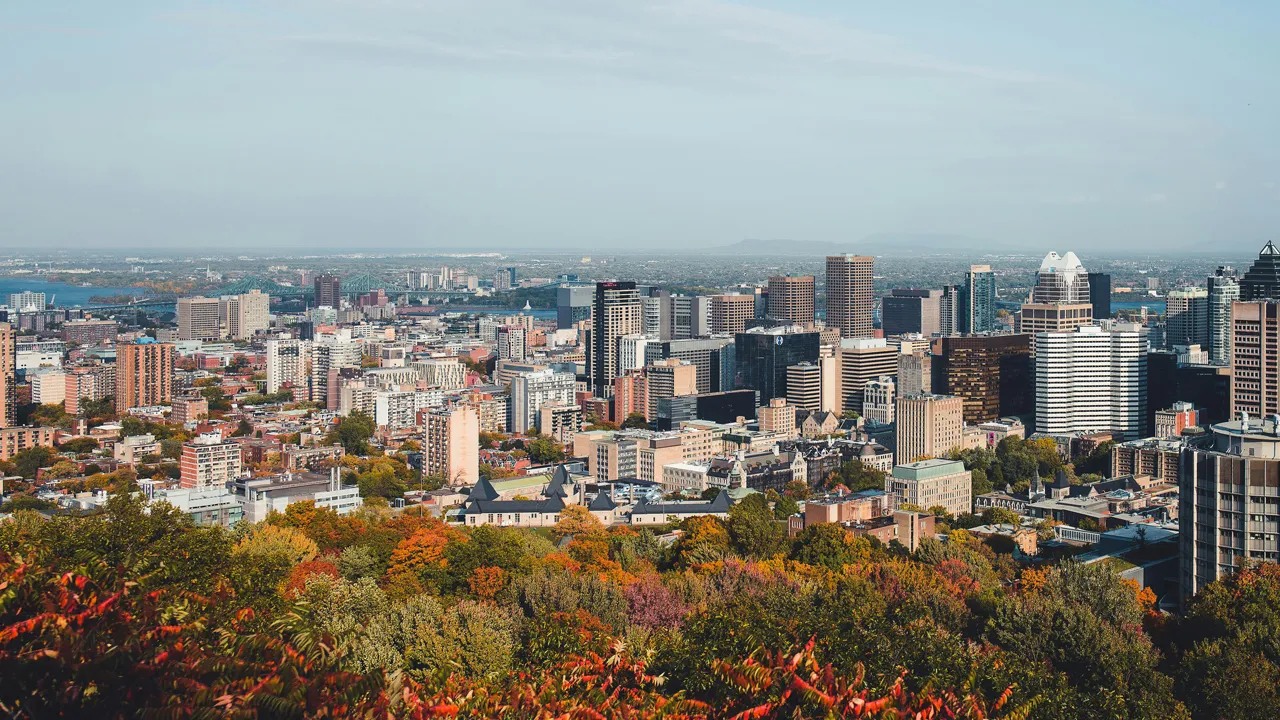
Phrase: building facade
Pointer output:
(931, 483)
(977, 311)
(452, 447)
(1092, 380)
(992, 373)
(927, 426)
(144, 374)
(850, 299)
(615, 312)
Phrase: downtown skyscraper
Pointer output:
(615, 311)
(978, 303)
(850, 302)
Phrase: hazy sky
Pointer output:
(609, 123)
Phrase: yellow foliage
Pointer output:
(576, 520)
(271, 541)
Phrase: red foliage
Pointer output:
(298, 577)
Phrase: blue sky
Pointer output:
(406, 124)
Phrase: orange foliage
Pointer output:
(1033, 581)
(487, 582)
(297, 580)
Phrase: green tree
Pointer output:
(635, 420)
(829, 545)
(1000, 516)
(27, 462)
(545, 450)
(753, 529)
(103, 408)
(217, 398)
(785, 507)
(79, 445)
(353, 433)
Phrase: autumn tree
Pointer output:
(577, 520)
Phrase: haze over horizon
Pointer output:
(331, 125)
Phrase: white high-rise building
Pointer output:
(245, 315)
(631, 351)
(27, 301)
(531, 390)
(1224, 289)
(1187, 317)
(289, 362)
(878, 400)
(1061, 279)
(1092, 380)
(330, 356)
(511, 342)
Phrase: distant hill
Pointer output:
(880, 244)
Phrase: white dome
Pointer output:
(1055, 263)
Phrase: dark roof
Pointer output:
(602, 503)
(1262, 280)
(482, 490)
(481, 507)
(555, 488)
(1060, 478)
(720, 504)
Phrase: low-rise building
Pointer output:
(133, 448)
(659, 513)
(258, 497)
(932, 483)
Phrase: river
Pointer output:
(61, 294)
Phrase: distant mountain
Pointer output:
(880, 244)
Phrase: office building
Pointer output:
(532, 390)
(452, 445)
(28, 301)
(668, 379)
(1170, 422)
(144, 374)
(189, 409)
(442, 373)
(932, 483)
(615, 312)
(651, 315)
(210, 462)
(199, 318)
(806, 388)
(713, 357)
(717, 407)
(680, 317)
(927, 426)
(730, 313)
(511, 341)
(1187, 317)
(915, 373)
(328, 291)
(1036, 318)
(779, 417)
(861, 361)
(950, 309)
(908, 310)
(1092, 380)
(633, 351)
(978, 303)
(244, 316)
(850, 298)
(328, 357)
(763, 355)
(573, 305)
(1255, 363)
(1061, 279)
(1262, 281)
(879, 400)
(48, 388)
(791, 299)
(8, 376)
(1228, 483)
(289, 365)
(991, 373)
(1224, 291)
(1100, 295)
(90, 332)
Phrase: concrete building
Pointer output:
(927, 426)
(633, 351)
(879, 400)
(730, 313)
(560, 421)
(909, 310)
(442, 373)
(915, 373)
(14, 440)
(94, 382)
(289, 365)
(259, 497)
(812, 386)
(90, 332)
(684, 477)
(328, 291)
(668, 379)
(850, 302)
(328, 357)
(199, 318)
(573, 305)
(1092, 380)
(531, 391)
(144, 374)
(1171, 422)
(452, 447)
(49, 388)
(1224, 292)
(244, 316)
(512, 343)
(1061, 279)
(713, 357)
(616, 311)
(8, 376)
(1187, 317)
(1036, 318)
(189, 409)
(861, 361)
(930, 483)
(779, 417)
(209, 461)
(1229, 500)
(132, 449)
(1255, 363)
(791, 299)
(28, 301)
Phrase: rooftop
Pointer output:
(927, 469)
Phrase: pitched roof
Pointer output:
(720, 504)
(555, 488)
(482, 490)
(602, 503)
